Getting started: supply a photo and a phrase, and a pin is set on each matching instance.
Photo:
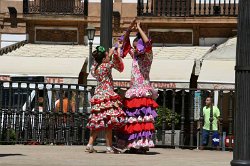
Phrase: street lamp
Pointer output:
(91, 34)
(241, 150)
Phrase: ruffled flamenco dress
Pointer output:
(106, 105)
(139, 103)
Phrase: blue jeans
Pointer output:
(215, 138)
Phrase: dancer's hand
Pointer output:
(118, 49)
(120, 44)
(111, 52)
(132, 24)
(138, 24)
(134, 28)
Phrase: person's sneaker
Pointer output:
(113, 151)
(90, 150)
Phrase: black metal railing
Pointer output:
(56, 7)
(45, 113)
(183, 120)
(42, 113)
(187, 8)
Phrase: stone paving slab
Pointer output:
(26, 155)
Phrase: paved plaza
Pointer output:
(28, 155)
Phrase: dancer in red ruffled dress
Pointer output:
(106, 111)
(140, 105)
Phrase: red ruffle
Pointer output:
(138, 127)
(140, 102)
(111, 98)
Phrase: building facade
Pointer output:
(168, 22)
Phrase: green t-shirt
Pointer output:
(206, 114)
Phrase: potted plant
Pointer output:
(12, 137)
(165, 114)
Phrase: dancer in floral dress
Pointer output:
(140, 105)
(106, 112)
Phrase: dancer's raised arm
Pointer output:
(142, 43)
(142, 33)
(124, 40)
(126, 35)
(116, 60)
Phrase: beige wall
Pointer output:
(4, 4)
(18, 4)
(128, 11)
(94, 9)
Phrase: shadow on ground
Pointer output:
(7, 155)
(148, 153)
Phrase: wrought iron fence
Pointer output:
(46, 113)
(42, 113)
(56, 7)
(183, 119)
(187, 8)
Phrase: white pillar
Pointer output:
(216, 97)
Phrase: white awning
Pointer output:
(57, 63)
(225, 51)
(217, 75)
(164, 74)
(67, 68)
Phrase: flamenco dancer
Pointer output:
(139, 103)
(106, 111)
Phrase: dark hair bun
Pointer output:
(138, 35)
(95, 54)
